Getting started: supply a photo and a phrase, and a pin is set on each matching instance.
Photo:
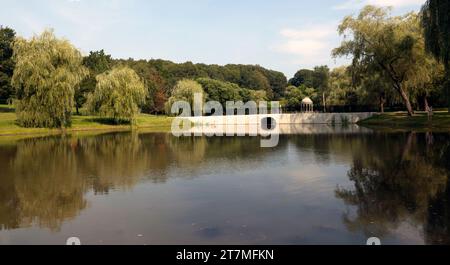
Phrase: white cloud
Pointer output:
(309, 45)
(356, 4)
(304, 48)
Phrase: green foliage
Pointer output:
(220, 91)
(390, 46)
(118, 95)
(252, 77)
(185, 90)
(436, 22)
(156, 90)
(155, 84)
(295, 95)
(340, 86)
(47, 72)
(427, 82)
(318, 79)
(303, 77)
(7, 37)
(321, 77)
(345, 90)
(258, 95)
(225, 91)
(97, 62)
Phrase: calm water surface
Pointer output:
(319, 188)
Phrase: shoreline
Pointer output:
(80, 124)
(156, 128)
(401, 122)
(387, 122)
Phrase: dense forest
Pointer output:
(161, 76)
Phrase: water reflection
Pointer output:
(44, 180)
(383, 181)
(398, 179)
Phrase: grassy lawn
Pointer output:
(400, 121)
(8, 126)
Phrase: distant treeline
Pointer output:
(161, 76)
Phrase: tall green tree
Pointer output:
(427, 82)
(340, 84)
(374, 88)
(303, 77)
(318, 79)
(185, 90)
(97, 62)
(436, 22)
(321, 78)
(7, 36)
(118, 95)
(390, 45)
(220, 91)
(48, 70)
(295, 95)
(157, 93)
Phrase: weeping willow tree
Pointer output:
(385, 45)
(185, 90)
(47, 72)
(436, 22)
(118, 95)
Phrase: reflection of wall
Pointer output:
(284, 129)
(299, 118)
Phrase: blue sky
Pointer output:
(283, 35)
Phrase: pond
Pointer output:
(319, 187)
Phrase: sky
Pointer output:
(283, 35)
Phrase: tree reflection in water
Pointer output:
(401, 179)
(44, 181)
(395, 178)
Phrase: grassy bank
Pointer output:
(400, 121)
(9, 127)
(396, 121)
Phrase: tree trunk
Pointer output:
(448, 95)
(427, 106)
(78, 111)
(324, 103)
(405, 99)
(448, 85)
(408, 145)
(382, 102)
